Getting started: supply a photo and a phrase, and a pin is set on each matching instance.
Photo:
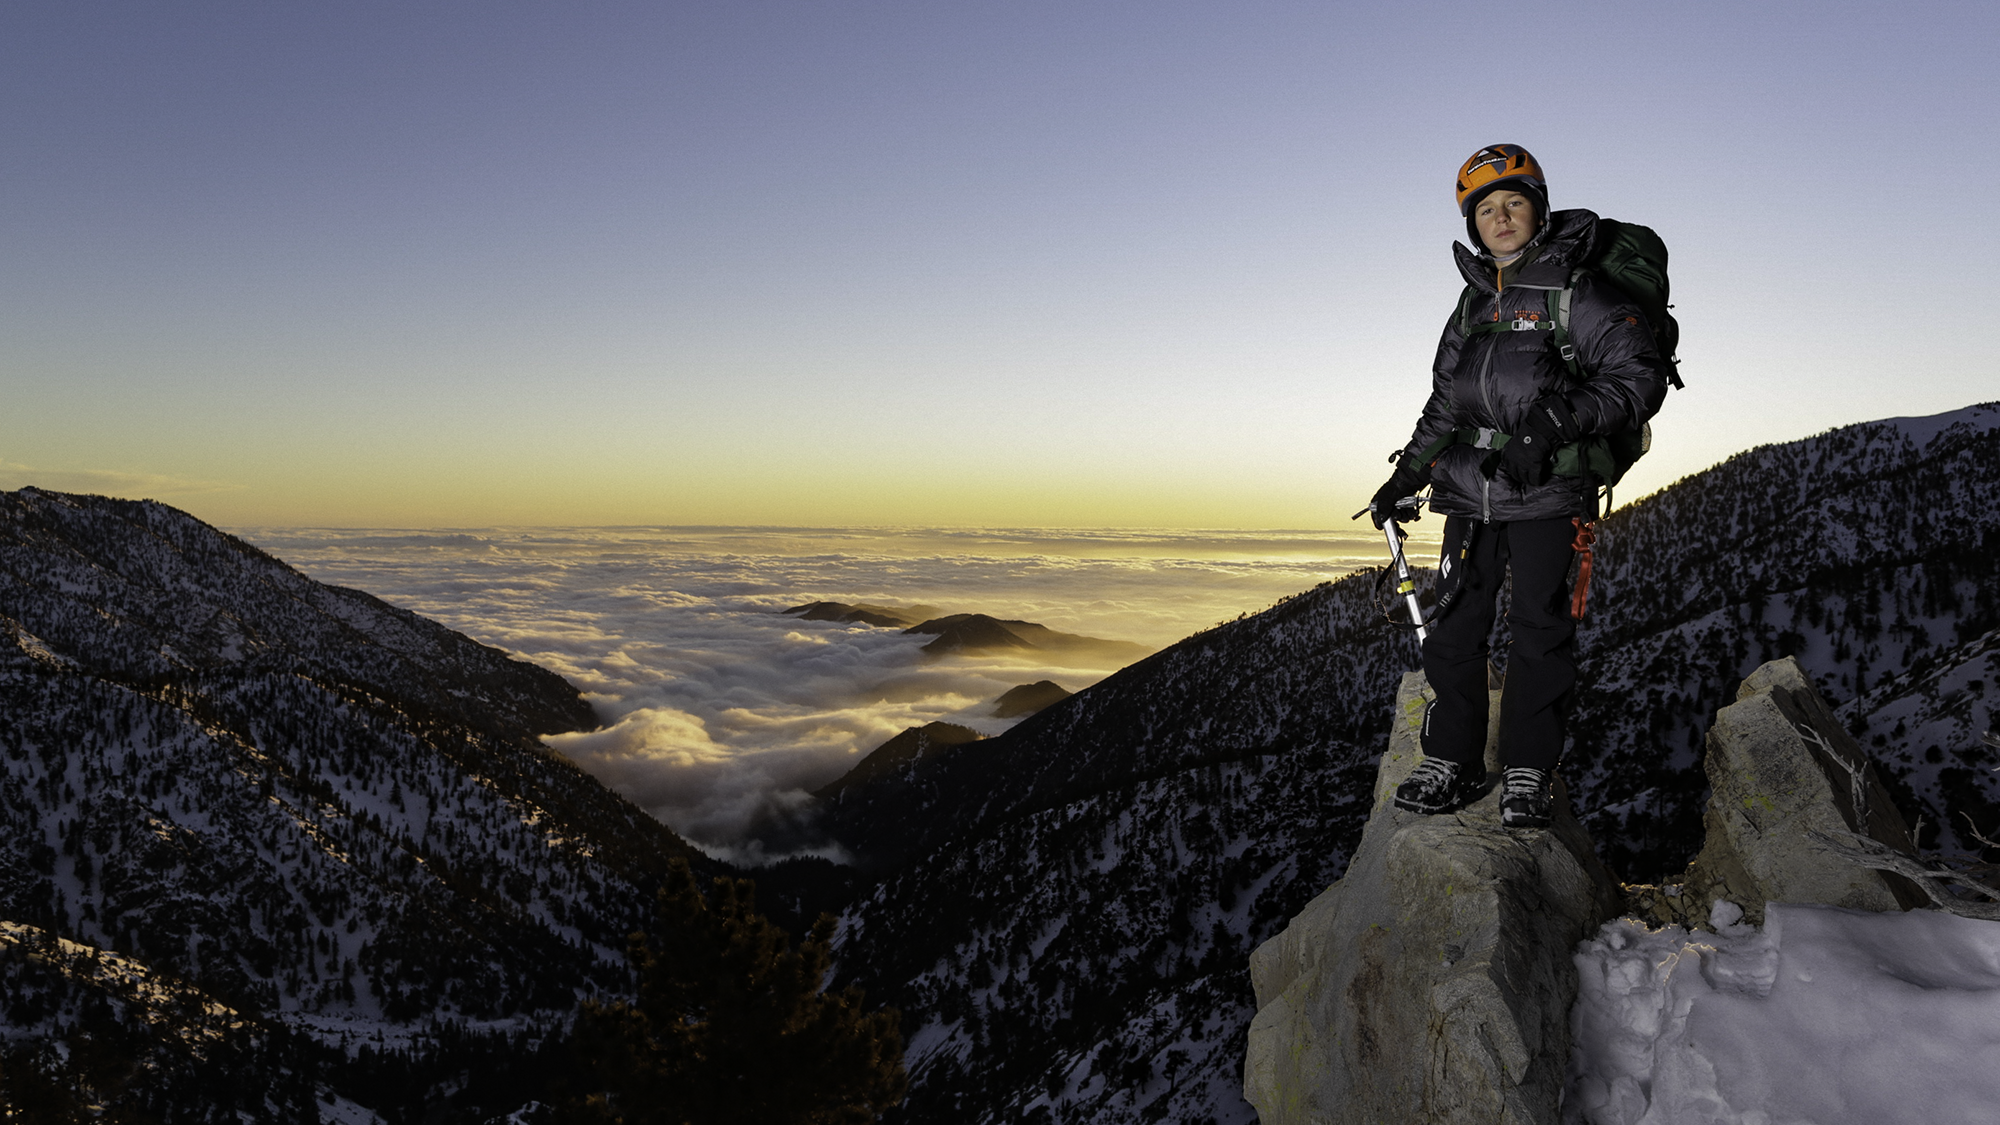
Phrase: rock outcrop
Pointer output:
(1780, 768)
(1433, 982)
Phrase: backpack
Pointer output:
(1634, 260)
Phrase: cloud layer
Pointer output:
(721, 713)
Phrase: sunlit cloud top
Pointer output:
(720, 711)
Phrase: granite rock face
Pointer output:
(1780, 765)
(1433, 982)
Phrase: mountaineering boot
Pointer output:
(1437, 786)
(1525, 798)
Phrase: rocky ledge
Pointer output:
(1434, 981)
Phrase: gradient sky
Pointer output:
(1079, 263)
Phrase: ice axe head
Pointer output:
(1407, 509)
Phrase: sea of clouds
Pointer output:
(720, 712)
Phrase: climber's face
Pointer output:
(1506, 221)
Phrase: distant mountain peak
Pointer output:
(898, 756)
(978, 632)
(971, 632)
(1027, 699)
(863, 613)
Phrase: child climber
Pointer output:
(1503, 401)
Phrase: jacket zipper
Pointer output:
(1486, 396)
(1486, 361)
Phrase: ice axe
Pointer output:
(1406, 583)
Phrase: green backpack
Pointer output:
(1634, 259)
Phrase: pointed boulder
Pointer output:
(1433, 982)
(1781, 765)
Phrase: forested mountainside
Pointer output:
(1069, 907)
(1871, 552)
(317, 832)
(1069, 938)
(1295, 676)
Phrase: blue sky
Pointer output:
(1032, 263)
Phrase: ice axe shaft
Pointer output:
(1405, 584)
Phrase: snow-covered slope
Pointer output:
(1871, 553)
(1076, 900)
(324, 813)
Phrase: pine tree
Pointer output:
(733, 1027)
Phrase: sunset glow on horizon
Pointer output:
(1036, 265)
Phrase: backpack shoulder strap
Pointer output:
(1559, 306)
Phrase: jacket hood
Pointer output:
(1565, 243)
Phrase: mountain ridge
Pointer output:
(325, 813)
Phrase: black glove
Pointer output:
(1396, 500)
(1549, 424)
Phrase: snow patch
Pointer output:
(1837, 1017)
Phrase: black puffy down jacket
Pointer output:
(1491, 380)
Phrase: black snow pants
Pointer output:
(1541, 664)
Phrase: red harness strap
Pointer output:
(1586, 538)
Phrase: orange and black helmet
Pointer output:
(1497, 166)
